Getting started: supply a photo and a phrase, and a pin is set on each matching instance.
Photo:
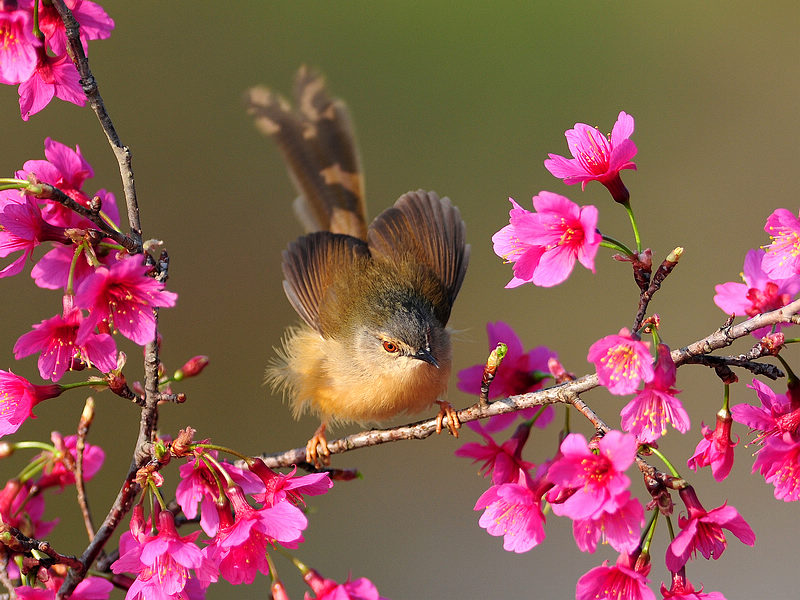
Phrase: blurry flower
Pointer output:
(18, 50)
(545, 244)
(503, 462)
(54, 76)
(328, 589)
(59, 467)
(519, 373)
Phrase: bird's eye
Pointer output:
(390, 347)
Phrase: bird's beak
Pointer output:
(424, 354)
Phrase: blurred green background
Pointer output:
(466, 99)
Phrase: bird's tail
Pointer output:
(317, 141)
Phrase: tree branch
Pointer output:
(564, 393)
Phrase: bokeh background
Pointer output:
(466, 99)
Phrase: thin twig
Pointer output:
(85, 423)
(90, 89)
(766, 369)
(664, 269)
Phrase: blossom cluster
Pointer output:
(104, 289)
(34, 56)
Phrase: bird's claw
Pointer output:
(317, 452)
(447, 410)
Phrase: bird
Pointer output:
(374, 299)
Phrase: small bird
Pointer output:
(375, 300)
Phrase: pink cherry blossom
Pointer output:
(758, 294)
(59, 467)
(91, 588)
(623, 581)
(54, 76)
(545, 244)
(594, 482)
(124, 296)
(701, 531)
(239, 548)
(56, 341)
(514, 511)
(503, 462)
(95, 24)
(647, 415)
(519, 373)
(18, 396)
(775, 424)
(618, 525)
(328, 589)
(162, 562)
(782, 258)
(682, 589)
(279, 487)
(22, 228)
(716, 448)
(20, 509)
(17, 45)
(622, 361)
(200, 485)
(597, 157)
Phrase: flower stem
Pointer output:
(649, 532)
(609, 242)
(635, 227)
(673, 471)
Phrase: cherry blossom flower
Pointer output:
(595, 482)
(239, 548)
(622, 361)
(56, 341)
(701, 531)
(758, 294)
(514, 511)
(91, 588)
(18, 47)
(775, 417)
(94, 22)
(199, 485)
(775, 424)
(328, 589)
(682, 589)
(647, 415)
(618, 525)
(54, 76)
(23, 228)
(545, 244)
(782, 258)
(162, 562)
(22, 511)
(519, 373)
(716, 448)
(623, 581)
(59, 466)
(503, 462)
(279, 487)
(124, 296)
(597, 157)
(18, 396)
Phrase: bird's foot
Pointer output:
(317, 452)
(447, 410)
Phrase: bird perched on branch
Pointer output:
(375, 300)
